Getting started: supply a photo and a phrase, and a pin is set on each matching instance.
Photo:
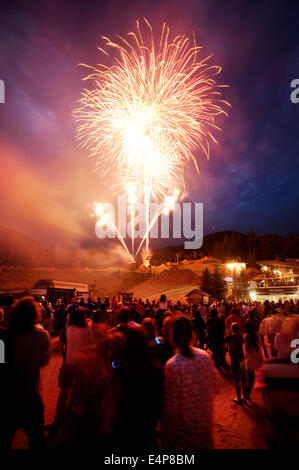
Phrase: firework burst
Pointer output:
(149, 111)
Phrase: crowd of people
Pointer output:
(134, 374)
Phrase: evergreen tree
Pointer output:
(218, 252)
(206, 283)
(266, 247)
(252, 244)
(219, 287)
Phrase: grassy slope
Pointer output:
(106, 282)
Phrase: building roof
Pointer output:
(49, 283)
(197, 292)
(290, 263)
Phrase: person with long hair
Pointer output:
(253, 355)
(155, 343)
(167, 346)
(78, 336)
(141, 394)
(190, 387)
(100, 324)
(95, 395)
(27, 349)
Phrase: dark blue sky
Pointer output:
(251, 179)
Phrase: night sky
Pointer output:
(47, 181)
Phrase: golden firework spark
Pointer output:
(149, 111)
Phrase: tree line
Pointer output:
(16, 250)
(225, 246)
(213, 284)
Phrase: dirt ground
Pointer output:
(234, 426)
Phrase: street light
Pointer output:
(148, 263)
(236, 269)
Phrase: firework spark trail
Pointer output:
(132, 199)
(149, 112)
(166, 207)
(148, 229)
(114, 229)
(105, 219)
